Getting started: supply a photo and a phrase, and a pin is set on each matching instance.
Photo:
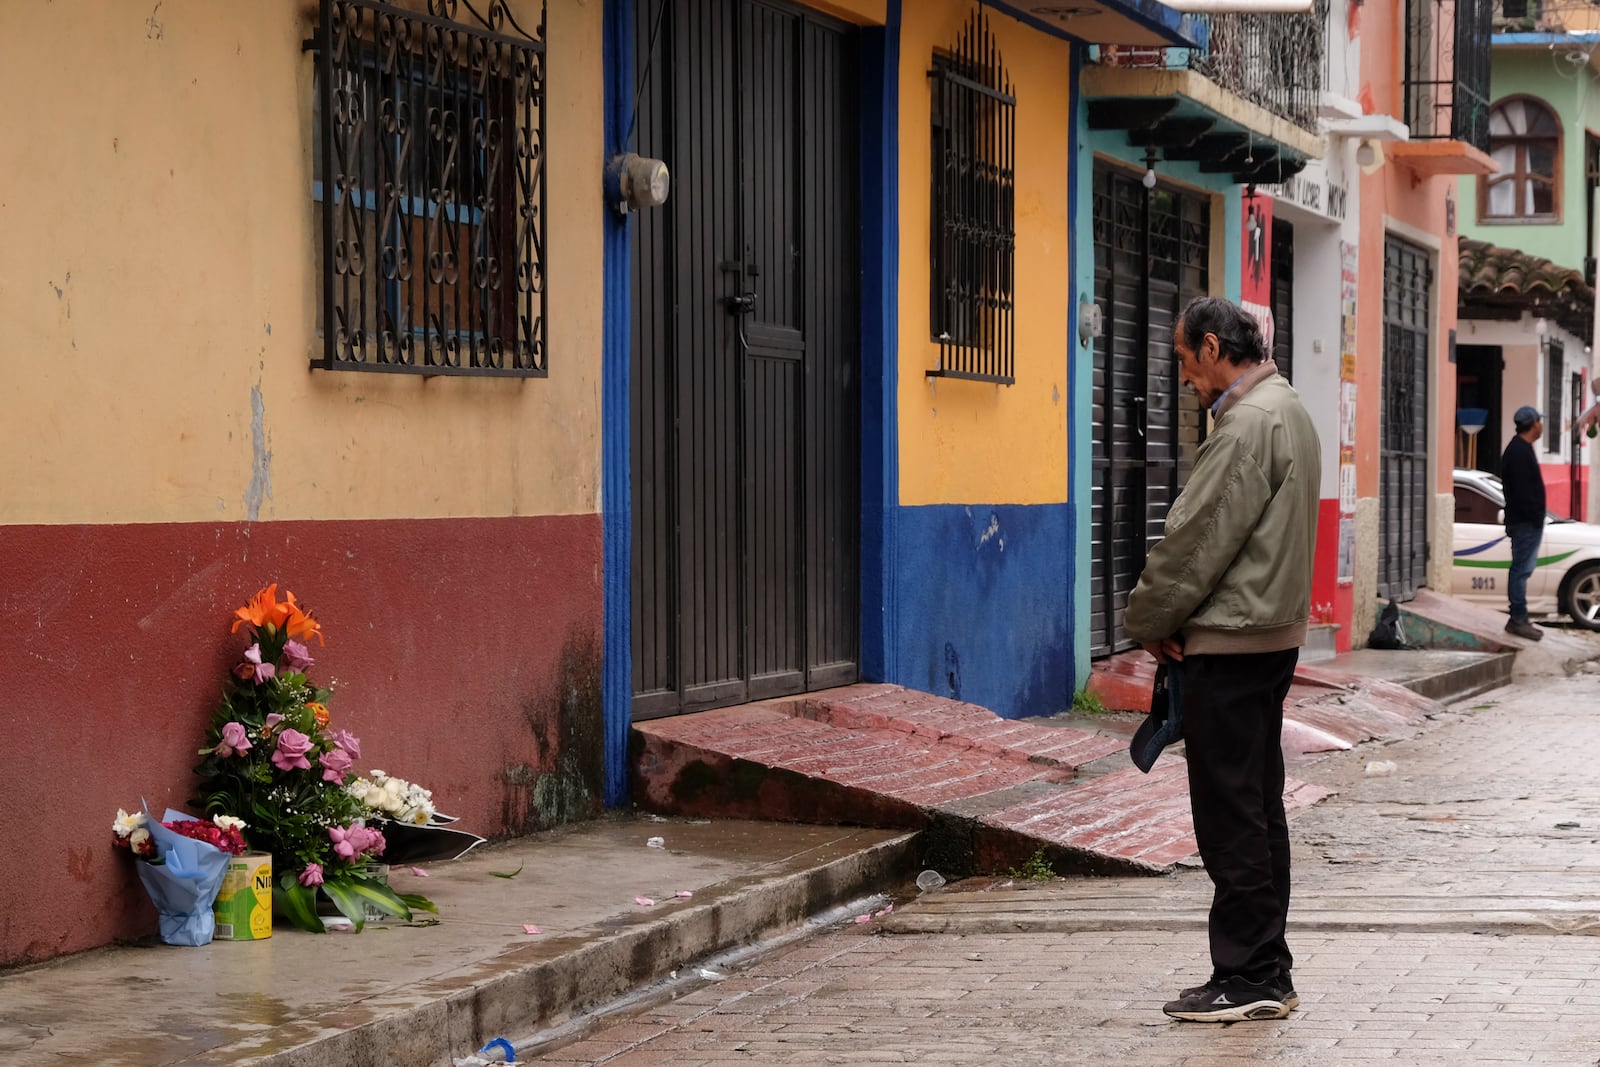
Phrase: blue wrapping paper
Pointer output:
(184, 886)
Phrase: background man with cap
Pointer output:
(1524, 488)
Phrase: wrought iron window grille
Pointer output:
(1446, 83)
(973, 234)
(1555, 358)
(429, 170)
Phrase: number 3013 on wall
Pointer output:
(1482, 583)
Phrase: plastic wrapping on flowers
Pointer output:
(272, 758)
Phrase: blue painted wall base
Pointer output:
(982, 610)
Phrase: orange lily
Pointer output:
(299, 623)
(261, 610)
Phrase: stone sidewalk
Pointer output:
(1442, 915)
(421, 995)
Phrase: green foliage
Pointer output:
(1088, 702)
(298, 903)
(351, 893)
(1036, 869)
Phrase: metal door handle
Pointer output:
(743, 304)
(1140, 415)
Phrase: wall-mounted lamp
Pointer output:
(634, 182)
(1090, 324)
(1366, 155)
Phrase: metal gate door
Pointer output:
(1403, 458)
(1151, 251)
(746, 437)
(1283, 297)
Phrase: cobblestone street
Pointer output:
(1444, 914)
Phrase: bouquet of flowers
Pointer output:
(413, 831)
(270, 755)
(182, 863)
(393, 798)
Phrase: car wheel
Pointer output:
(1580, 596)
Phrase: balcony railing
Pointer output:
(1273, 61)
(1447, 70)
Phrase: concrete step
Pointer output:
(1442, 675)
(988, 792)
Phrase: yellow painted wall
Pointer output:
(972, 442)
(158, 283)
(860, 12)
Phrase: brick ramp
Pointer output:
(989, 792)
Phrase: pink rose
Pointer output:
(335, 765)
(291, 751)
(234, 740)
(312, 875)
(342, 843)
(347, 741)
(296, 656)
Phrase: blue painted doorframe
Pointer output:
(616, 487)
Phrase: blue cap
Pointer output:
(1525, 417)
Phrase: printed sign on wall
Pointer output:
(1349, 280)
(1256, 284)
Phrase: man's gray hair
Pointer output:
(1238, 332)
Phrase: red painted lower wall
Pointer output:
(1325, 588)
(1558, 490)
(465, 654)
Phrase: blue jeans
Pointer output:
(1525, 538)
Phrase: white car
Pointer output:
(1567, 577)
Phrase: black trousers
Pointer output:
(1232, 730)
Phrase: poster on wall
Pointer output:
(1255, 283)
(1347, 481)
(1347, 551)
(1348, 281)
(1347, 418)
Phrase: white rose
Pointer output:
(137, 838)
(228, 822)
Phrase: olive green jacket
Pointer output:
(1232, 573)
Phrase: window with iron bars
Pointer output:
(1447, 70)
(429, 166)
(973, 240)
(1555, 360)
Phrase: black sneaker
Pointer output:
(1283, 983)
(1524, 628)
(1229, 1000)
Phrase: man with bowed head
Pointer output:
(1524, 488)
(1224, 600)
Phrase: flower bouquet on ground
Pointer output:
(182, 861)
(413, 831)
(271, 756)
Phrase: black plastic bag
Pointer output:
(1389, 633)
